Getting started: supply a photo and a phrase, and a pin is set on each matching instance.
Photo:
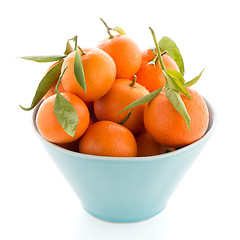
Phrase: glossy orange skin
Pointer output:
(168, 127)
(147, 146)
(151, 76)
(120, 95)
(125, 53)
(99, 70)
(50, 128)
(107, 138)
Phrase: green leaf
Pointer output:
(69, 48)
(181, 87)
(78, 71)
(50, 77)
(65, 114)
(51, 58)
(167, 44)
(126, 118)
(119, 30)
(170, 81)
(178, 80)
(177, 102)
(176, 74)
(147, 98)
(193, 81)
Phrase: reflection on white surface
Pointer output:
(91, 227)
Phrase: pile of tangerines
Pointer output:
(114, 100)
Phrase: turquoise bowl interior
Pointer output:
(125, 190)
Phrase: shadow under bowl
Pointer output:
(128, 189)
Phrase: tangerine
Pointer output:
(50, 128)
(99, 70)
(122, 93)
(151, 75)
(168, 127)
(107, 138)
(125, 53)
(147, 146)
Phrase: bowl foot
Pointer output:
(126, 220)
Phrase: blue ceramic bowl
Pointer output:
(126, 189)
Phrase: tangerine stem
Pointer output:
(163, 53)
(132, 84)
(77, 47)
(75, 40)
(108, 29)
(158, 50)
(81, 50)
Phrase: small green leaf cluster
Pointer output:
(63, 109)
(175, 83)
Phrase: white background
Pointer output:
(35, 201)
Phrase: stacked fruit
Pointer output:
(114, 100)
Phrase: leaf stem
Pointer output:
(147, 98)
(60, 78)
(108, 29)
(158, 50)
(127, 117)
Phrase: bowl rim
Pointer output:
(207, 135)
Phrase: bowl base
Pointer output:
(127, 220)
